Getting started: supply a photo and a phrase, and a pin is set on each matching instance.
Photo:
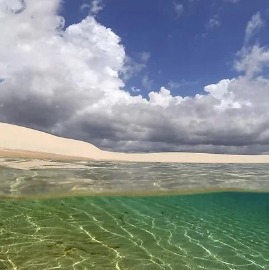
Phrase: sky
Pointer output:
(139, 76)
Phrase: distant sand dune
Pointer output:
(16, 141)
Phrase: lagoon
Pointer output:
(90, 215)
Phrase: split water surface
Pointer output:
(111, 215)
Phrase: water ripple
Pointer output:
(171, 232)
(30, 178)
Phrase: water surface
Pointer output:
(60, 216)
(34, 178)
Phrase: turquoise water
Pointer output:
(208, 231)
(46, 223)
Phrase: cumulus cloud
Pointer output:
(58, 71)
(69, 82)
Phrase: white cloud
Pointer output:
(132, 67)
(252, 60)
(58, 72)
(232, 1)
(68, 81)
(135, 90)
(162, 98)
(146, 82)
(213, 22)
(13, 6)
(253, 26)
(178, 9)
(218, 90)
(94, 7)
(145, 56)
(176, 85)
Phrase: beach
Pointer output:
(17, 141)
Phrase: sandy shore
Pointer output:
(16, 141)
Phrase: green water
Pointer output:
(62, 216)
(208, 231)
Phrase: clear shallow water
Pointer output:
(208, 231)
(33, 178)
(224, 230)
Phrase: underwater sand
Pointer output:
(59, 216)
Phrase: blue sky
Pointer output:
(139, 76)
(188, 48)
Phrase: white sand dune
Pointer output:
(16, 141)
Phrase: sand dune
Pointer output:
(16, 141)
